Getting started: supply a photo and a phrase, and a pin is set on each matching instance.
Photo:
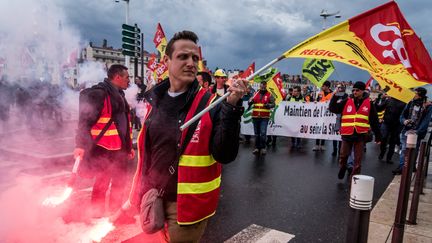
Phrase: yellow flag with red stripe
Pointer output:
(379, 41)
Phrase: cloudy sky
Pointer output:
(233, 33)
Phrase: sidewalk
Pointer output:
(383, 215)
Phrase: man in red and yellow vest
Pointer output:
(191, 193)
(104, 137)
(358, 118)
(262, 103)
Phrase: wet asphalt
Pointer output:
(293, 191)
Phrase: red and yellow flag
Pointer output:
(201, 67)
(274, 86)
(246, 73)
(161, 71)
(151, 66)
(249, 71)
(379, 41)
(160, 40)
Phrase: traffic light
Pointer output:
(131, 40)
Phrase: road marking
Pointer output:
(259, 234)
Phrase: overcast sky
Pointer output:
(233, 33)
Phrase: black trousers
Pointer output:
(111, 169)
(390, 135)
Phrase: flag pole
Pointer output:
(199, 115)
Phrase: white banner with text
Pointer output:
(296, 119)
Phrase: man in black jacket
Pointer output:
(358, 116)
(169, 164)
(103, 137)
(390, 127)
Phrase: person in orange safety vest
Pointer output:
(104, 138)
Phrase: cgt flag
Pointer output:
(151, 67)
(160, 40)
(274, 84)
(249, 71)
(275, 87)
(317, 70)
(379, 41)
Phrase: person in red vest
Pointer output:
(262, 103)
(103, 138)
(358, 118)
(186, 174)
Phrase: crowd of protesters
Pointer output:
(32, 102)
(389, 112)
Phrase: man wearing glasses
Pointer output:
(358, 117)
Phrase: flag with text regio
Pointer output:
(274, 84)
(160, 40)
(317, 70)
(379, 41)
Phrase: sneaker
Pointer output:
(341, 173)
(322, 148)
(380, 156)
(255, 151)
(334, 153)
(263, 151)
(397, 171)
(315, 148)
(389, 161)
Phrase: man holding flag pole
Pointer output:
(183, 167)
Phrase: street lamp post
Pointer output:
(127, 58)
(326, 14)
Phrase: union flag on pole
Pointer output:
(151, 67)
(274, 84)
(249, 71)
(161, 71)
(160, 40)
(379, 41)
(201, 67)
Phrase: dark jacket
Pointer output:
(337, 106)
(422, 125)
(224, 143)
(213, 90)
(339, 97)
(393, 109)
(91, 102)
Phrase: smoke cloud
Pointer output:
(38, 111)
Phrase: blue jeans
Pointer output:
(350, 162)
(403, 141)
(260, 129)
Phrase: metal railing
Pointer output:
(419, 181)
